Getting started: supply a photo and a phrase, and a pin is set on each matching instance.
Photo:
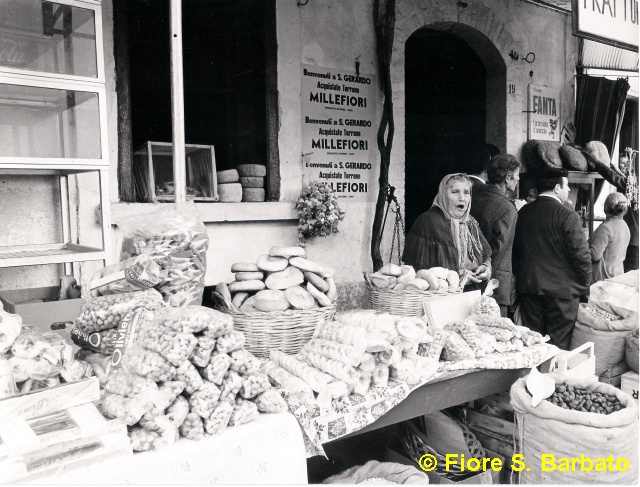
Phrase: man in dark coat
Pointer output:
(497, 217)
(551, 261)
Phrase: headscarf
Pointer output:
(464, 230)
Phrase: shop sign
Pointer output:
(339, 131)
(613, 22)
(543, 110)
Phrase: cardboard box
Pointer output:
(37, 306)
(488, 477)
(629, 384)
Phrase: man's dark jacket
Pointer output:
(550, 251)
(497, 217)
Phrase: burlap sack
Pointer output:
(608, 345)
(549, 429)
(572, 158)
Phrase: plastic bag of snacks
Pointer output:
(7, 382)
(176, 239)
(127, 384)
(178, 410)
(270, 401)
(204, 400)
(195, 319)
(106, 312)
(202, 351)
(231, 384)
(188, 374)
(219, 419)
(33, 368)
(10, 328)
(230, 342)
(217, 367)
(243, 362)
(145, 440)
(243, 412)
(253, 384)
(175, 346)
(129, 410)
(99, 341)
(192, 427)
(147, 363)
(134, 274)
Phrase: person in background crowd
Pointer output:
(551, 261)
(626, 183)
(608, 243)
(497, 217)
(479, 159)
(446, 236)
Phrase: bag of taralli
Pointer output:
(551, 436)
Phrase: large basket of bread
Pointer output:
(400, 290)
(278, 301)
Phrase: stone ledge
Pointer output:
(220, 212)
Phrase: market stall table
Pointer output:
(269, 450)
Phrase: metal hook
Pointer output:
(300, 4)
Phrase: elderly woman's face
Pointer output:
(459, 197)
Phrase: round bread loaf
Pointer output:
(382, 281)
(229, 176)
(271, 300)
(317, 281)
(253, 195)
(271, 263)
(239, 299)
(252, 170)
(245, 267)
(299, 298)
(290, 251)
(572, 158)
(417, 283)
(291, 276)
(439, 272)
(252, 182)
(453, 279)
(223, 290)
(391, 270)
(246, 286)
(311, 266)
(408, 273)
(249, 305)
(320, 297)
(230, 192)
(332, 293)
(249, 276)
(428, 276)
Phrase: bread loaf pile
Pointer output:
(401, 277)
(280, 280)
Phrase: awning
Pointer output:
(602, 56)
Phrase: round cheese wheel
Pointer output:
(299, 298)
(291, 251)
(291, 276)
(272, 264)
(252, 170)
(230, 192)
(311, 266)
(239, 299)
(252, 182)
(317, 281)
(253, 195)
(271, 300)
(229, 176)
(249, 276)
(253, 285)
(245, 267)
(320, 297)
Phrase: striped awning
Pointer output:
(602, 56)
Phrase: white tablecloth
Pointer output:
(267, 451)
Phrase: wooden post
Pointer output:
(177, 104)
(126, 190)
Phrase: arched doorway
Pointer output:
(455, 101)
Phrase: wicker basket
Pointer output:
(407, 302)
(415, 444)
(286, 331)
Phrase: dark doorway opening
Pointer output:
(445, 114)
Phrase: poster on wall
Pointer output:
(543, 110)
(339, 131)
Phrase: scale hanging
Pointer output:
(397, 226)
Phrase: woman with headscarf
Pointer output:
(608, 243)
(447, 236)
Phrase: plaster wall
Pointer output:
(332, 33)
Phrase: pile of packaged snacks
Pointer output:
(184, 373)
